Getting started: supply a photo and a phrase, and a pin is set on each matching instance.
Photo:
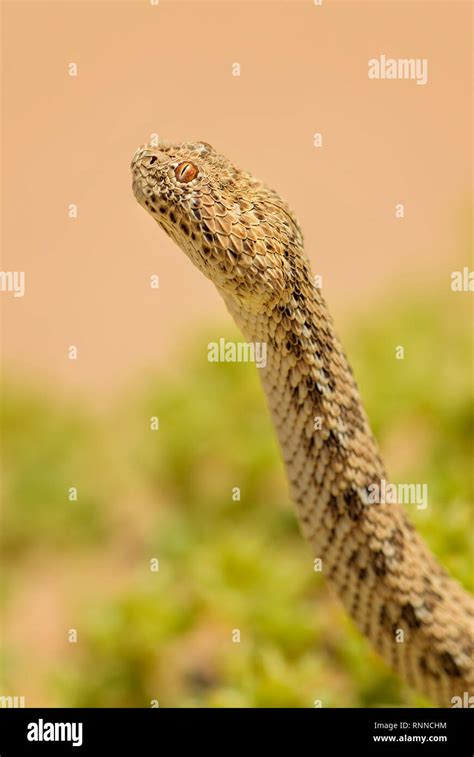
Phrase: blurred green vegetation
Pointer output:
(223, 564)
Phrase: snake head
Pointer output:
(236, 230)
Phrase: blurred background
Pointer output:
(166, 495)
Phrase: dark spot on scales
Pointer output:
(384, 620)
(334, 508)
(426, 669)
(353, 557)
(353, 504)
(378, 564)
(449, 666)
(408, 614)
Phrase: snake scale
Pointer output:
(244, 237)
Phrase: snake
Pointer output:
(243, 237)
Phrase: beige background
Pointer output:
(167, 69)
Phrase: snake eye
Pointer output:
(185, 171)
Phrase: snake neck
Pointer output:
(313, 397)
(398, 595)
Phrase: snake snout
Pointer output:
(137, 156)
(145, 158)
(144, 165)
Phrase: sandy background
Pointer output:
(167, 69)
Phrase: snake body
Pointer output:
(244, 238)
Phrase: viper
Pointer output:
(246, 240)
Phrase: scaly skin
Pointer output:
(244, 238)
